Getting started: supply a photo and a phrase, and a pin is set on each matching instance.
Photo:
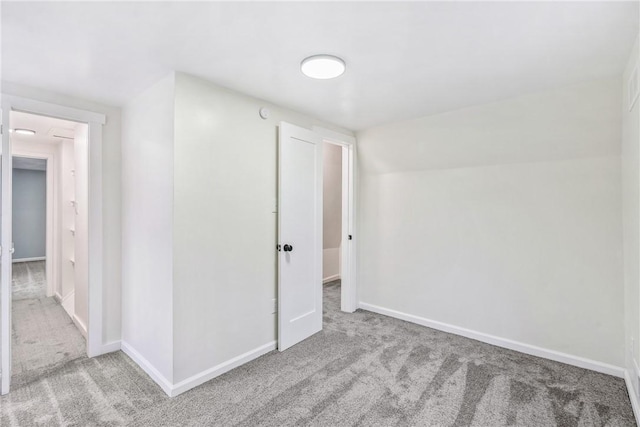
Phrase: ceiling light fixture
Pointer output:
(322, 67)
(24, 131)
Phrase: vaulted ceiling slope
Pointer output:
(403, 60)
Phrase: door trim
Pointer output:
(348, 271)
(95, 226)
(5, 270)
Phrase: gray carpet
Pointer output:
(28, 280)
(44, 338)
(362, 369)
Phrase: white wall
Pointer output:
(631, 219)
(332, 210)
(110, 193)
(503, 218)
(568, 123)
(147, 225)
(225, 225)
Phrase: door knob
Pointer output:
(287, 248)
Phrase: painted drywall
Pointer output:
(568, 123)
(503, 218)
(331, 264)
(147, 225)
(29, 213)
(631, 219)
(332, 209)
(111, 207)
(225, 175)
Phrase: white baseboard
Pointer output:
(632, 396)
(38, 258)
(110, 347)
(220, 369)
(81, 326)
(155, 375)
(533, 350)
(68, 302)
(331, 278)
(173, 390)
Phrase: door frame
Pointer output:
(348, 256)
(95, 121)
(5, 254)
(52, 231)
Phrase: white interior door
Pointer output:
(299, 235)
(5, 255)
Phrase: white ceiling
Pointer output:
(48, 130)
(403, 59)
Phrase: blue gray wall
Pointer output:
(29, 213)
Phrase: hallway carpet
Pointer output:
(44, 338)
(28, 280)
(362, 369)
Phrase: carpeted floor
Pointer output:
(28, 280)
(362, 369)
(44, 338)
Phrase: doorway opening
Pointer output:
(332, 227)
(88, 231)
(339, 212)
(49, 265)
(300, 231)
(29, 279)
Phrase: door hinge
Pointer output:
(350, 237)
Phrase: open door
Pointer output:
(299, 235)
(6, 252)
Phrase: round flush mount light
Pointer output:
(24, 131)
(322, 67)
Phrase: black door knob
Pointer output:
(287, 248)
